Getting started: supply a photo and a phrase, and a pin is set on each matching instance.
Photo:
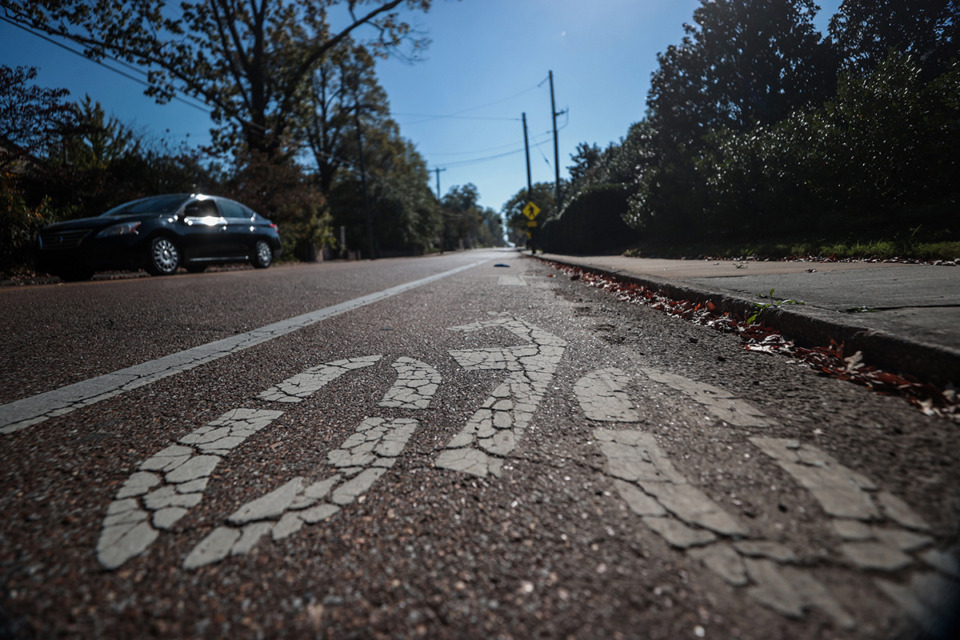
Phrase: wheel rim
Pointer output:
(264, 255)
(165, 256)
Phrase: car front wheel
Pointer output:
(262, 255)
(164, 257)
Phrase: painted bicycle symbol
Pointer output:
(172, 481)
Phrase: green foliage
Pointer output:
(101, 162)
(591, 223)
(19, 224)
(880, 156)
(251, 62)
(31, 117)
(774, 303)
(669, 199)
(743, 63)
(543, 195)
(466, 224)
(928, 31)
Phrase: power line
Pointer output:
(140, 81)
(487, 150)
(431, 117)
(456, 114)
(464, 163)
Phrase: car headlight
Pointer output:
(119, 230)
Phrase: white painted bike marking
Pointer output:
(877, 529)
(172, 481)
(495, 429)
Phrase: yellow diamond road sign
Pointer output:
(531, 210)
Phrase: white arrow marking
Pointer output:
(494, 430)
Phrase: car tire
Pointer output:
(262, 256)
(163, 257)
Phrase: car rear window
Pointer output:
(233, 209)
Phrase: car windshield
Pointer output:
(154, 204)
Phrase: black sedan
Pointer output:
(159, 234)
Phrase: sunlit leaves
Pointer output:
(743, 63)
(249, 60)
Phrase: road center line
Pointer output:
(26, 412)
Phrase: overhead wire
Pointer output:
(199, 106)
(456, 114)
(425, 117)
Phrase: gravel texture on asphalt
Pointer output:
(665, 483)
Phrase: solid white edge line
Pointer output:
(26, 412)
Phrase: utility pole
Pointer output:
(526, 148)
(437, 171)
(556, 145)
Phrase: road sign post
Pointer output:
(531, 211)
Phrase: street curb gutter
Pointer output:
(936, 364)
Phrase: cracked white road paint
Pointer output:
(361, 460)
(26, 412)
(719, 402)
(172, 481)
(878, 530)
(416, 384)
(169, 483)
(689, 520)
(493, 432)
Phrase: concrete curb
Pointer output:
(812, 328)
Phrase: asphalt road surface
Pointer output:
(469, 445)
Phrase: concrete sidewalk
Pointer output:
(902, 317)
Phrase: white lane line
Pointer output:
(23, 413)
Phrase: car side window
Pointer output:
(201, 209)
(233, 209)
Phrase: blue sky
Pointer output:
(462, 104)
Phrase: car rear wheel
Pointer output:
(163, 258)
(262, 255)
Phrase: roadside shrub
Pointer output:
(591, 223)
(19, 225)
(879, 158)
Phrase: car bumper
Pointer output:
(93, 253)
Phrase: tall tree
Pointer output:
(743, 63)
(344, 82)
(250, 60)
(928, 30)
(32, 118)
(461, 213)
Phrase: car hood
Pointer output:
(97, 222)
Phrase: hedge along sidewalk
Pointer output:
(901, 317)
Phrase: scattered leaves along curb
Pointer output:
(755, 336)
